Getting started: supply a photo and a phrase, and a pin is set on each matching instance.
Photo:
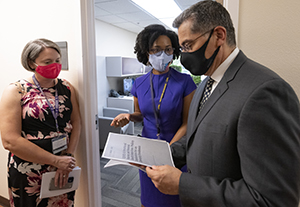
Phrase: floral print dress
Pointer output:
(38, 126)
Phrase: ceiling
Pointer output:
(126, 15)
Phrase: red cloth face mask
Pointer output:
(49, 71)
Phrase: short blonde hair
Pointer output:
(32, 50)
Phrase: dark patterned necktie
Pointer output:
(206, 93)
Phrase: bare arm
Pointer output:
(123, 119)
(76, 123)
(182, 130)
(10, 126)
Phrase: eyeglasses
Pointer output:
(158, 51)
(187, 46)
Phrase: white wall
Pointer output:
(110, 41)
(22, 21)
(269, 32)
(113, 41)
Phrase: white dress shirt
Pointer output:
(220, 71)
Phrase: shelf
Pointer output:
(123, 67)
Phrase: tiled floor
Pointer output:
(120, 185)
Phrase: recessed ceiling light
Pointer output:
(164, 10)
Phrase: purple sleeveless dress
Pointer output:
(179, 86)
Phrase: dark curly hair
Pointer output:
(147, 37)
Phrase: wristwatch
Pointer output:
(68, 154)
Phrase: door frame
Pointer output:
(88, 100)
(91, 177)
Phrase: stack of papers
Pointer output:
(125, 149)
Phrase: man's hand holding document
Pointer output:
(138, 151)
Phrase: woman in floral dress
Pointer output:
(40, 127)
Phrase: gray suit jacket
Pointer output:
(243, 149)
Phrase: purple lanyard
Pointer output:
(54, 112)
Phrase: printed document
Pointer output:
(47, 184)
(125, 149)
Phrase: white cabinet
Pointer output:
(123, 102)
(123, 66)
(118, 68)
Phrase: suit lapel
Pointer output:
(222, 87)
(217, 93)
(194, 105)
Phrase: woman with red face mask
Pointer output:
(40, 127)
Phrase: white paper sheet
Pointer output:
(138, 150)
(46, 179)
(111, 163)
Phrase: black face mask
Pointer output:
(196, 62)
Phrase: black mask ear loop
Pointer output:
(212, 58)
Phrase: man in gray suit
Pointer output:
(242, 146)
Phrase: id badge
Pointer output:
(59, 143)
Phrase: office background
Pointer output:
(268, 33)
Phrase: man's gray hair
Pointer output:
(207, 15)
